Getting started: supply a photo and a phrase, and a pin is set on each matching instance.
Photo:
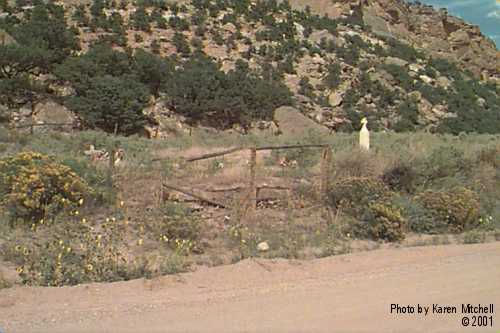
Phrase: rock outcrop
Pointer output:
(438, 33)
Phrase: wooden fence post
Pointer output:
(252, 188)
(111, 167)
(326, 161)
(161, 197)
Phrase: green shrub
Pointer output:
(354, 195)
(112, 103)
(420, 219)
(383, 222)
(458, 208)
(403, 51)
(470, 118)
(408, 111)
(446, 68)
(178, 223)
(73, 253)
(474, 236)
(203, 93)
(306, 88)
(33, 186)
(350, 54)
(400, 74)
(434, 95)
(444, 162)
(95, 177)
(401, 178)
(332, 78)
(140, 20)
(490, 155)
(181, 44)
(4, 283)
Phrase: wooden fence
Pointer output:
(32, 126)
(253, 189)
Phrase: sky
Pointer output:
(484, 13)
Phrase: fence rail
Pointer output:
(43, 124)
(252, 189)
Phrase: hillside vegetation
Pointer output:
(227, 64)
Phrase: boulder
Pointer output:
(443, 82)
(318, 35)
(263, 247)
(5, 38)
(299, 28)
(459, 38)
(229, 27)
(384, 78)
(415, 67)
(52, 112)
(395, 61)
(293, 123)
(318, 60)
(425, 108)
(335, 99)
(426, 79)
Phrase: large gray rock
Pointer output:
(5, 38)
(459, 37)
(318, 35)
(335, 99)
(395, 61)
(52, 112)
(263, 247)
(293, 123)
(426, 79)
(443, 82)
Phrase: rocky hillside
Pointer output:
(438, 33)
(229, 64)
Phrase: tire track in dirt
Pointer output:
(344, 293)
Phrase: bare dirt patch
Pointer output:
(348, 293)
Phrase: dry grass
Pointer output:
(294, 224)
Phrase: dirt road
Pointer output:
(349, 293)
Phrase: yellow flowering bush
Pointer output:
(354, 194)
(458, 208)
(380, 221)
(386, 222)
(33, 186)
(368, 201)
(176, 226)
(76, 250)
